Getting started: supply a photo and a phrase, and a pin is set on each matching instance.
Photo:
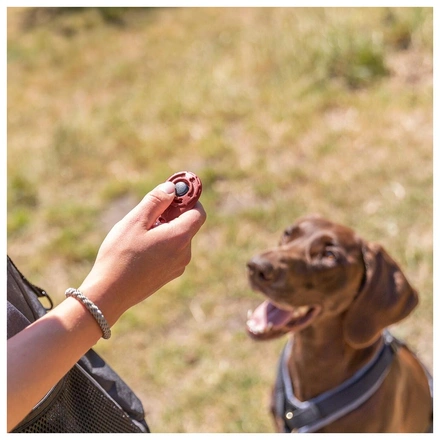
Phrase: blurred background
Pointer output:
(280, 111)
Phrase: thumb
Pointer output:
(154, 204)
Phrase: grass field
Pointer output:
(280, 111)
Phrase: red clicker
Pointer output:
(188, 190)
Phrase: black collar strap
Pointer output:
(313, 414)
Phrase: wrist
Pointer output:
(105, 299)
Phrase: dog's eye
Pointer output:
(288, 232)
(287, 235)
(330, 255)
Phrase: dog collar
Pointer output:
(313, 414)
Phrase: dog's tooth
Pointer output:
(300, 311)
(269, 326)
(252, 326)
(249, 313)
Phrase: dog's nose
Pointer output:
(261, 268)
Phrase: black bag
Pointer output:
(90, 398)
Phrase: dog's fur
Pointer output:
(338, 292)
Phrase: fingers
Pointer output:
(153, 204)
(156, 202)
(183, 228)
(193, 219)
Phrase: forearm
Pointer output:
(41, 354)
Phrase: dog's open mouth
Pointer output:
(268, 321)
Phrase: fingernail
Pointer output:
(167, 187)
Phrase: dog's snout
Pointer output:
(261, 268)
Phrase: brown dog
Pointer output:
(340, 372)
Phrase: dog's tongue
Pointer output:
(267, 317)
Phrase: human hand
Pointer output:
(135, 259)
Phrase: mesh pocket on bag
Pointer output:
(79, 405)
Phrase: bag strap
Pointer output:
(24, 295)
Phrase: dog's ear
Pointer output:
(385, 298)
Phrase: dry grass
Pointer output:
(281, 112)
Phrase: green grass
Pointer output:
(281, 112)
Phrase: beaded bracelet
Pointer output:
(93, 309)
